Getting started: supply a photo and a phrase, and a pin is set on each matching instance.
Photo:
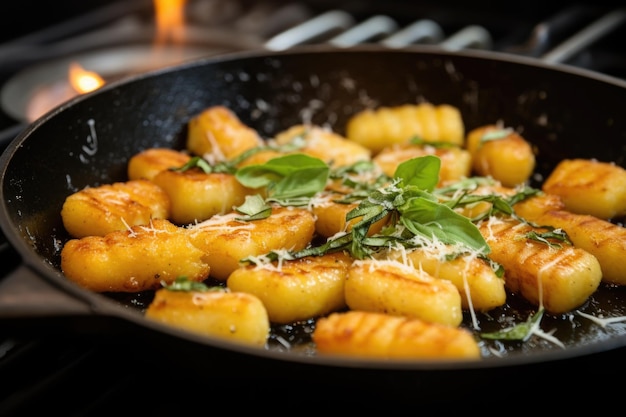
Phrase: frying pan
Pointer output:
(565, 112)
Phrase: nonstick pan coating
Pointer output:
(565, 112)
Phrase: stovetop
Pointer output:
(584, 35)
(85, 375)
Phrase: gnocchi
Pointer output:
(235, 316)
(589, 187)
(96, 211)
(377, 335)
(377, 128)
(502, 154)
(138, 259)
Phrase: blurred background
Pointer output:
(37, 14)
(111, 39)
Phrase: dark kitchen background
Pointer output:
(86, 375)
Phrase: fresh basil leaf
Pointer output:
(433, 220)
(557, 234)
(257, 176)
(422, 172)
(304, 182)
(287, 176)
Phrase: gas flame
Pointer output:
(83, 81)
(170, 25)
(170, 20)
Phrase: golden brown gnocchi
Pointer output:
(456, 162)
(394, 288)
(589, 187)
(502, 154)
(558, 277)
(378, 335)
(324, 144)
(378, 128)
(196, 196)
(601, 238)
(139, 259)
(96, 211)
(226, 241)
(217, 134)
(294, 290)
(480, 287)
(235, 316)
(149, 162)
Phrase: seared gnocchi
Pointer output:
(501, 153)
(377, 335)
(217, 134)
(235, 316)
(138, 259)
(196, 196)
(96, 211)
(377, 128)
(226, 241)
(394, 288)
(298, 289)
(589, 187)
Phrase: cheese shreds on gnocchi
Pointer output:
(559, 279)
(134, 260)
(96, 211)
(299, 289)
(395, 241)
(401, 290)
(479, 285)
(226, 244)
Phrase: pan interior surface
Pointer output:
(565, 113)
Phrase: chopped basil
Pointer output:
(416, 140)
(184, 284)
(496, 135)
(195, 162)
(520, 331)
(557, 234)
(254, 208)
(412, 209)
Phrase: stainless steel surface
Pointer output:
(587, 36)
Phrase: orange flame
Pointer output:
(83, 81)
(170, 25)
(170, 20)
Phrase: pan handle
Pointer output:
(24, 294)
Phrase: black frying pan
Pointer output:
(566, 112)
